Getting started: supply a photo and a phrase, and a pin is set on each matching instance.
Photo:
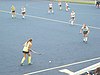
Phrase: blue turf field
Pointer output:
(53, 36)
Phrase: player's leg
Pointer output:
(23, 15)
(29, 59)
(72, 20)
(84, 37)
(49, 10)
(66, 8)
(23, 59)
(52, 10)
(60, 7)
(12, 14)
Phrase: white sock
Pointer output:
(52, 11)
(72, 22)
(60, 8)
(83, 38)
(48, 11)
(66, 9)
(23, 16)
(86, 38)
(15, 16)
(12, 16)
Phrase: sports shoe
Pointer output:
(29, 63)
(21, 64)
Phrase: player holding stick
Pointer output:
(26, 51)
(50, 9)
(13, 11)
(72, 15)
(85, 31)
(23, 11)
(60, 5)
(67, 6)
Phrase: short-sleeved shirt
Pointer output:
(12, 8)
(50, 5)
(23, 9)
(85, 30)
(59, 3)
(73, 14)
(67, 4)
(27, 46)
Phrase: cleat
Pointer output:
(83, 41)
(21, 64)
(30, 64)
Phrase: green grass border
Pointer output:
(78, 1)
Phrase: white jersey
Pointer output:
(73, 14)
(26, 46)
(66, 4)
(23, 9)
(50, 5)
(85, 29)
(59, 3)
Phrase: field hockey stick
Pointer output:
(35, 52)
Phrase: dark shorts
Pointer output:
(85, 32)
(73, 18)
(60, 5)
(25, 52)
(97, 3)
(50, 8)
(13, 11)
(23, 12)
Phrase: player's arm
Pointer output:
(88, 31)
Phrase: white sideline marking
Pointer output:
(92, 67)
(87, 69)
(58, 67)
(43, 18)
(67, 71)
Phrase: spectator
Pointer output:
(97, 4)
(88, 73)
(97, 71)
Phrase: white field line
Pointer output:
(53, 20)
(58, 67)
(87, 69)
(66, 71)
(92, 67)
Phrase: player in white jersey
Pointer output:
(85, 31)
(26, 51)
(60, 5)
(67, 6)
(23, 11)
(50, 10)
(72, 15)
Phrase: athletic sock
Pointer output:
(23, 17)
(86, 39)
(60, 8)
(15, 16)
(23, 59)
(12, 16)
(52, 11)
(48, 11)
(72, 22)
(29, 60)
